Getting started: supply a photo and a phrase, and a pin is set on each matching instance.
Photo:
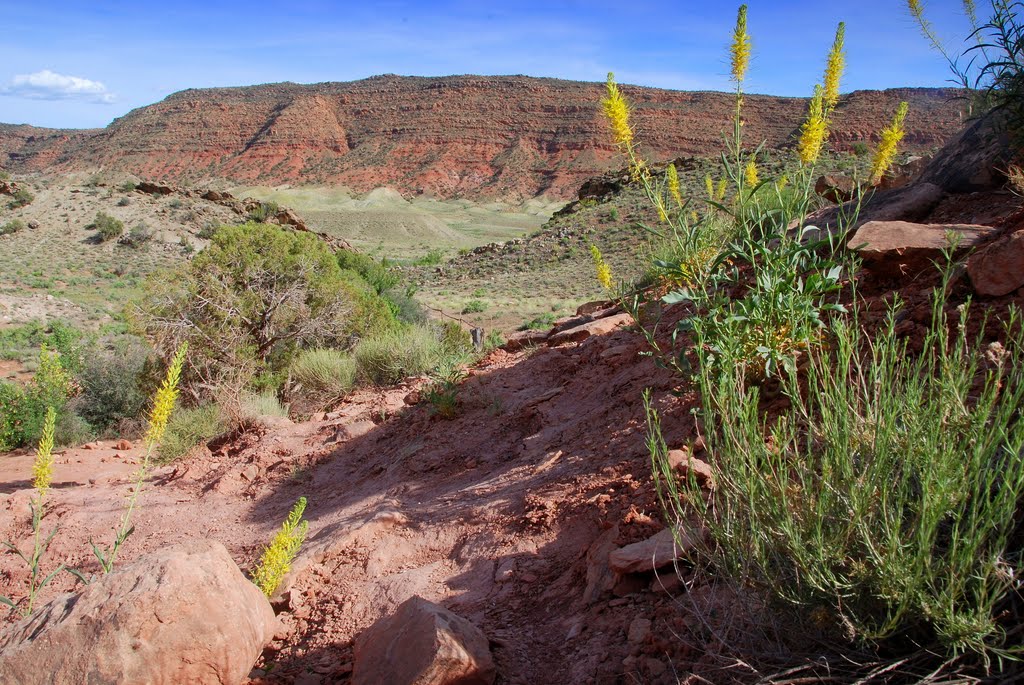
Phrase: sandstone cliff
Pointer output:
(503, 136)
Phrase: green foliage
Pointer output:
(123, 202)
(861, 149)
(388, 358)
(377, 274)
(325, 375)
(189, 427)
(113, 382)
(263, 211)
(539, 322)
(20, 197)
(128, 186)
(256, 406)
(106, 227)
(248, 303)
(12, 226)
(405, 307)
(138, 237)
(886, 494)
(443, 392)
(432, 258)
(12, 404)
(278, 556)
(474, 307)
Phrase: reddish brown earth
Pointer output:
(502, 136)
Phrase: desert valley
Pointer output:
(508, 379)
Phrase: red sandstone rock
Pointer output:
(422, 644)
(584, 331)
(185, 614)
(998, 269)
(904, 248)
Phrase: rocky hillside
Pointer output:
(507, 136)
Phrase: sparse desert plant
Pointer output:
(388, 358)
(42, 475)
(1015, 179)
(138, 237)
(106, 227)
(432, 258)
(128, 186)
(263, 211)
(474, 307)
(20, 197)
(112, 385)
(160, 414)
(12, 226)
(256, 406)
(860, 149)
(123, 202)
(443, 392)
(325, 375)
(539, 322)
(377, 274)
(189, 427)
(278, 556)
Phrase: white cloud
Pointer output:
(49, 85)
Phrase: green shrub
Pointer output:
(474, 307)
(123, 202)
(432, 258)
(188, 428)
(256, 406)
(138, 237)
(860, 149)
(375, 273)
(20, 198)
(128, 186)
(388, 358)
(405, 307)
(12, 226)
(12, 406)
(886, 496)
(539, 322)
(263, 211)
(73, 430)
(326, 374)
(114, 386)
(106, 227)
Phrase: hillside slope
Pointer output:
(502, 136)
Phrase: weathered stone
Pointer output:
(154, 188)
(684, 464)
(597, 327)
(639, 630)
(998, 269)
(588, 308)
(184, 614)
(422, 644)
(651, 554)
(600, 578)
(835, 188)
(521, 339)
(904, 248)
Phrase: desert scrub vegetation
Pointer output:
(189, 427)
(278, 556)
(106, 227)
(879, 507)
(12, 226)
(322, 376)
(20, 197)
(388, 358)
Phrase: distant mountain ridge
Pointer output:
(473, 136)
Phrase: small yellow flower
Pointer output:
(709, 185)
(814, 130)
(782, 182)
(163, 402)
(890, 139)
(672, 180)
(740, 48)
(750, 176)
(42, 466)
(616, 111)
(720, 190)
(604, 272)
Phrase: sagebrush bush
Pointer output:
(113, 384)
(326, 374)
(189, 427)
(387, 359)
(20, 198)
(257, 406)
(106, 227)
(12, 226)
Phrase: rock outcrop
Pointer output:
(185, 614)
(500, 136)
(423, 644)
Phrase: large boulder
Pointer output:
(422, 644)
(998, 268)
(902, 248)
(184, 614)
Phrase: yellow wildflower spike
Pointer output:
(720, 190)
(616, 111)
(709, 185)
(750, 174)
(604, 272)
(739, 50)
(814, 130)
(672, 180)
(890, 139)
(834, 69)
(163, 402)
(42, 466)
(279, 554)
(782, 182)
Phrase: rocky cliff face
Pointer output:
(508, 136)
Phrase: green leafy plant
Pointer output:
(264, 211)
(12, 226)
(42, 475)
(188, 427)
(278, 556)
(474, 307)
(388, 358)
(443, 392)
(106, 227)
(20, 197)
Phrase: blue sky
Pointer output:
(80, 64)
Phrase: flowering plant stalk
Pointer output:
(163, 405)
